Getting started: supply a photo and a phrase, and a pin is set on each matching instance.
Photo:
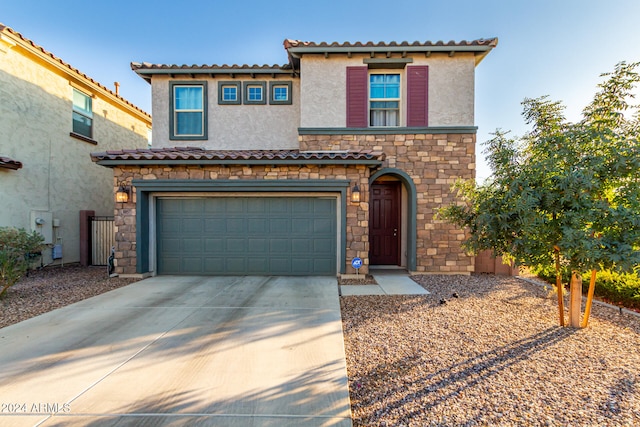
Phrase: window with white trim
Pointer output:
(384, 99)
(188, 110)
(254, 93)
(82, 114)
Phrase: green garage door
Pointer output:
(247, 235)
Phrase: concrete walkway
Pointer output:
(390, 282)
(214, 351)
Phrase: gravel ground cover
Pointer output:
(493, 356)
(54, 287)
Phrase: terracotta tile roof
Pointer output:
(492, 42)
(193, 155)
(225, 67)
(481, 47)
(147, 70)
(51, 57)
(7, 163)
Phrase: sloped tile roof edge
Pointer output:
(298, 45)
(489, 43)
(8, 163)
(67, 67)
(195, 154)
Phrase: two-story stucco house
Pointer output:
(52, 116)
(344, 152)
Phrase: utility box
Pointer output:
(56, 252)
(42, 223)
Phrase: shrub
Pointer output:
(17, 247)
(618, 288)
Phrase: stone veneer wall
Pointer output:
(434, 162)
(357, 221)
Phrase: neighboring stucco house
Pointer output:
(52, 116)
(346, 151)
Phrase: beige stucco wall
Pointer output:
(58, 175)
(232, 127)
(451, 89)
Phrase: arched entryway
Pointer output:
(392, 221)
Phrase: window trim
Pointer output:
(245, 95)
(238, 86)
(272, 87)
(82, 113)
(172, 129)
(370, 100)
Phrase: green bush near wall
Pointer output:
(621, 289)
(17, 249)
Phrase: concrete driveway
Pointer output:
(172, 351)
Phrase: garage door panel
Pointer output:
(234, 205)
(192, 245)
(257, 205)
(279, 225)
(279, 246)
(234, 225)
(214, 226)
(323, 246)
(191, 263)
(192, 206)
(257, 225)
(246, 235)
(170, 224)
(279, 265)
(235, 265)
(213, 245)
(322, 264)
(301, 225)
(276, 206)
(323, 225)
(213, 265)
(192, 225)
(257, 265)
(170, 264)
(300, 246)
(256, 245)
(235, 245)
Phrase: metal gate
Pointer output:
(102, 239)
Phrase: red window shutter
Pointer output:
(417, 95)
(357, 97)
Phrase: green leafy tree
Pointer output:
(16, 248)
(565, 194)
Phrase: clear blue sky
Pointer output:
(546, 47)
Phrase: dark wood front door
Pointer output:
(384, 224)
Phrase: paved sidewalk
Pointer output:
(211, 351)
(390, 282)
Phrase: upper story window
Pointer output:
(188, 110)
(384, 99)
(229, 93)
(279, 93)
(254, 92)
(375, 97)
(82, 114)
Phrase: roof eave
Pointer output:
(75, 75)
(110, 163)
(148, 73)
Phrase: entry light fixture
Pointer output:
(123, 194)
(355, 194)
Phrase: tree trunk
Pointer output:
(575, 300)
(587, 309)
